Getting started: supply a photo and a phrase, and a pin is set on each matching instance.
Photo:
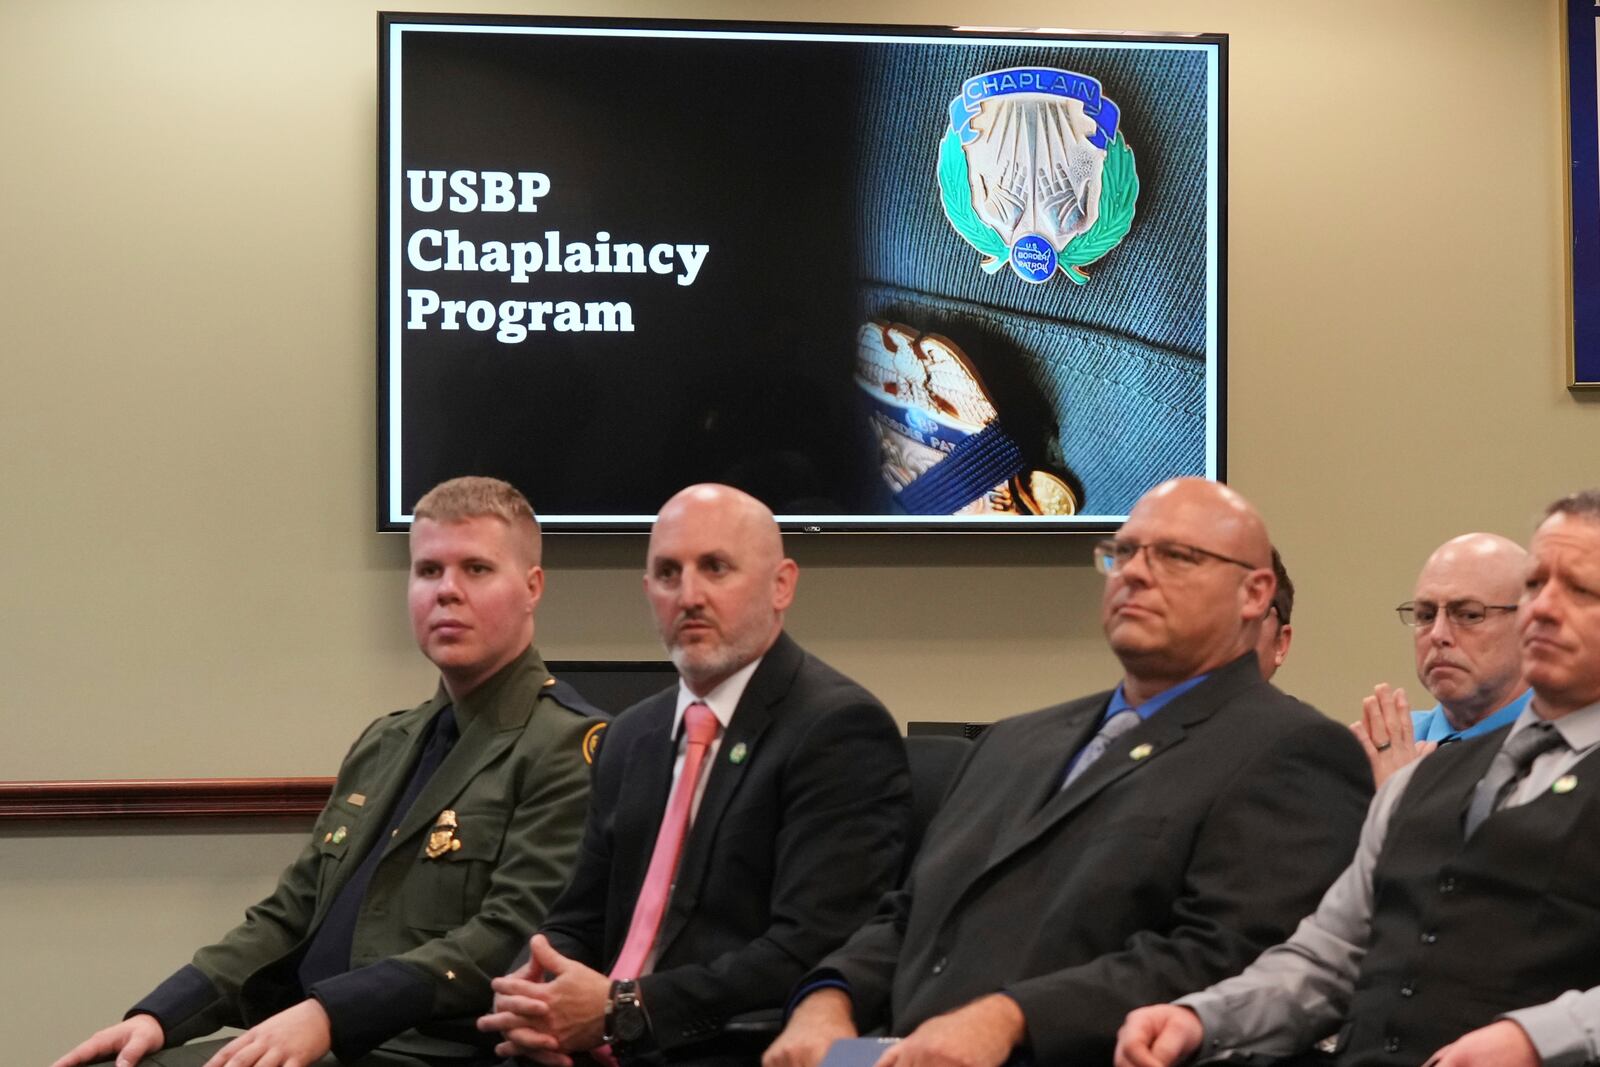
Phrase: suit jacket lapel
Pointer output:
(648, 787)
(1042, 763)
(1162, 732)
(396, 755)
(769, 685)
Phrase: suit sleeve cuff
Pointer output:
(371, 1004)
(183, 996)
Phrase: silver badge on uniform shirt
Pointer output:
(1034, 172)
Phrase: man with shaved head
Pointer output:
(1133, 844)
(742, 823)
(1463, 617)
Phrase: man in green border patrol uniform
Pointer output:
(450, 830)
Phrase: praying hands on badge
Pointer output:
(546, 1020)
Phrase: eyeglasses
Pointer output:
(1463, 613)
(1167, 557)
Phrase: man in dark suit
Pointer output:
(786, 781)
(451, 828)
(1466, 931)
(1089, 854)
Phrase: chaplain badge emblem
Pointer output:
(1034, 172)
(442, 838)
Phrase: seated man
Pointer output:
(1467, 923)
(1272, 647)
(1463, 619)
(742, 824)
(451, 828)
(1146, 838)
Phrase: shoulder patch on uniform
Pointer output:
(571, 699)
(591, 741)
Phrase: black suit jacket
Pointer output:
(1196, 841)
(789, 851)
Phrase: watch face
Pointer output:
(630, 1022)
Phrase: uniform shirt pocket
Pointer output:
(453, 870)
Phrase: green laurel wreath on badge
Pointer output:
(1119, 190)
(955, 192)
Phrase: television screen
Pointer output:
(883, 278)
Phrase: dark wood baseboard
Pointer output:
(164, 798)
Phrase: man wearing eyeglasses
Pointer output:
(1466, 931)
(1091, 854)
(1463, 618)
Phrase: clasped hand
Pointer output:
(544, 1019)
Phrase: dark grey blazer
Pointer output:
(1200, 838)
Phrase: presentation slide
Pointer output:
(881, 278)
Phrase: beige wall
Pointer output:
(187, 416)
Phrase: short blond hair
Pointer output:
(475, 497)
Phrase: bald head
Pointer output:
(1492, 558)
(718, 582)
(741, 516)
(1472, 671)
(1171, 613)
(1233, 524)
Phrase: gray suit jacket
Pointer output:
(1198, 839)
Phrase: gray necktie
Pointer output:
(1114, 727)
(1510, 764)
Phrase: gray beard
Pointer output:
(699, 668)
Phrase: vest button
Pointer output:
(940, 964)
(1429, 938)
(1447, 884)
(1408, 990)
(1391, 1045)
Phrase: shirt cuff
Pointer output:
(369, 1005)
(1214, 1039)
(1562, 1034)
(181, 997)
(825, 980)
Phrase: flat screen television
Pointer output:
(882, 277)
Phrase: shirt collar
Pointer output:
(1119, 699)
(722, 700)
(1436, 724)
(1579, 729)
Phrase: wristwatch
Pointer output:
(626, 1021)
